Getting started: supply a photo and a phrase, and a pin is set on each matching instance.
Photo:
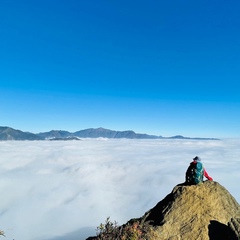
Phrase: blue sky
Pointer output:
(157, 67)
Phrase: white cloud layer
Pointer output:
(64, 190)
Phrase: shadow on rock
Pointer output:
(220, 231)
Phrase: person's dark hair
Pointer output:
(197, 158)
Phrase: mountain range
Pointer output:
(8, 133)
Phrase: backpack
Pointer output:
(195, 173)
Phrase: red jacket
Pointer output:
(206, 175)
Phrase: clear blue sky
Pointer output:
(157, 67)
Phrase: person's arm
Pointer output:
(206, 175)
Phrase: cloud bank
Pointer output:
(64, 190)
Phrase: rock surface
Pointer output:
(205, 211)
(234, 224)
(195, 212)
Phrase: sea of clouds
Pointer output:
(62, 190)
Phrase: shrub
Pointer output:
(107, 230)
(133, 230)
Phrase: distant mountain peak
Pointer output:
(7, 133)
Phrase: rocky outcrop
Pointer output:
(198, 212)
(195, 212)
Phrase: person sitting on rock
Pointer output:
(196, 171)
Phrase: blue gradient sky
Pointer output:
(157, 67)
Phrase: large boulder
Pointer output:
(206, 211)
(195, 212)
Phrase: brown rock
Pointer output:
(198, 212)
(234, 224)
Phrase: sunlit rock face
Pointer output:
(195, 212)
(206, 211)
